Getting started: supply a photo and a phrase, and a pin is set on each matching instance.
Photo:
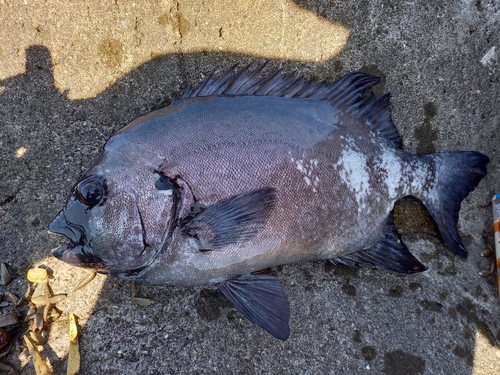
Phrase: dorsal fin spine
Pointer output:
(235, 83)
(208, 83)
(267, 83)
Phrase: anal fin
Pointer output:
(262, 299)
(389, 252)
(343, 260)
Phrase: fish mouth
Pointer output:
(78, 252)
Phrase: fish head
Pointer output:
(117, 219)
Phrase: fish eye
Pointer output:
(164, 184)
(90, 192)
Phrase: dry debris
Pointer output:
(74, 347)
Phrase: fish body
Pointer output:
(246, 173)
(335, 186)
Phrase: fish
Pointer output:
(244, 173)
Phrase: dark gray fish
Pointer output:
(245, 173)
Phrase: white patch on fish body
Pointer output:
(308, 169)
(300, 166)
(315, 183)
(419, 174)
(421, 181)
(391, 166)
(354, 171)
(168, 192)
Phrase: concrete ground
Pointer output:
(73, 73)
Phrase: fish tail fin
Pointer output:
(457, 174)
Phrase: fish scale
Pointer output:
(245, 173)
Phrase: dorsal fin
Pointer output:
(351, 94)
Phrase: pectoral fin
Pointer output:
(235, 219)
(262, 300)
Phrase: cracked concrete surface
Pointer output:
(72, 74)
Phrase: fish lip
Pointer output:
(80, 256)
(64, 252)
(59, 251)
(74, 232)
